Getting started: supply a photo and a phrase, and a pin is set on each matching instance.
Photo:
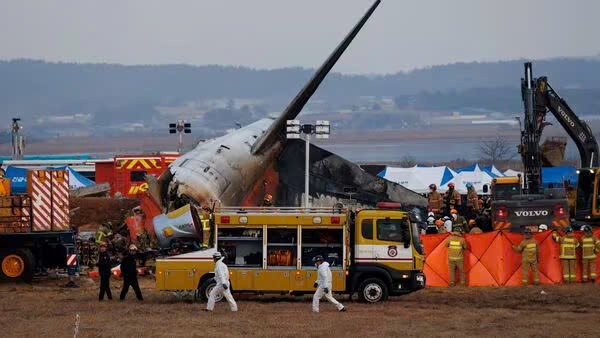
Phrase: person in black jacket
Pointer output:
(104, 271)
(129, 273)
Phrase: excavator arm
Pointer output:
(578, 130)
(539, 98)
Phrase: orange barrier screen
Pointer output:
(491, 261)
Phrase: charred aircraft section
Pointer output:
(329, 176)
(231, 168)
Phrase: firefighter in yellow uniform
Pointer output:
(103, 232)
(590, 247)
(528, 247)
(205, 216)
(434, 200)
(568, 257)
(456, 244)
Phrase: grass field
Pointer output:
(45, 308)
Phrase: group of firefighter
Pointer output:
(445, 208)
(446, 211)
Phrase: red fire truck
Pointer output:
(125, 173)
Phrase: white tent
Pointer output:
(417, 178)
(477, 178)
(511, 172)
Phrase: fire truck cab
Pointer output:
(126, 174)
(374, 252)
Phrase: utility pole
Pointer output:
(18, 142)
(321, 130)
(181, 127)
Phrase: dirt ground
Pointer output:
(92, 211)
(44, 307)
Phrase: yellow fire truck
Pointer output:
(375, 252)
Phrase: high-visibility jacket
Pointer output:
(473, 199)
(529, 249)
(205, 232)
(456, 245)
(102, 233)
(590, 246)
(434, 201)
(568, 244)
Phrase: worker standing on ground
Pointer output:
(434, 200)
(458, 220)
(529, 248)
(474, 228)
(129, 273)
(452, 199)
(568, 244)
(205, 215)
(472, 202)
(590, 246)
(104, 272)
(223, 285)
(456, 244)
(103, 232)
(324, 285)
(441, 229)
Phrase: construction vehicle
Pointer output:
(545, 98)
(518, 205)
(514, 210)
(375, 252)
(34, 227)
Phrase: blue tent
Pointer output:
(18, 179)
(557, 175)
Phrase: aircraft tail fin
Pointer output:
(295, 106)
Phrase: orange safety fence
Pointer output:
(491, 261)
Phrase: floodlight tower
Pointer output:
(181, 127)
(18, 142)
(293, 131)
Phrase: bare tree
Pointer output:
(497, 150)
(408, 161)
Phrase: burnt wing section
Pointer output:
(329, 175)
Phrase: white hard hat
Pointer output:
(430, 214)
(430, 220)
(217, 255)
(448, 223)
(132, 247)
(542, 227)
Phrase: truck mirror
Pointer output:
(485, 188)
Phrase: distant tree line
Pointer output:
(126, 93)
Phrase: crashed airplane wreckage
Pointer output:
(239, 168)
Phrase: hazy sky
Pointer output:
(401, 35)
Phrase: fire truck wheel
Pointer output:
(372, 290)
(206, 288)
(16, 265)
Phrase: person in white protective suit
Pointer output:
(222, 280)
(324, 285)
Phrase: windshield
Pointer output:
(506, 191)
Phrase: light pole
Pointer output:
(321, 130)
(180, 127)
(18, 143)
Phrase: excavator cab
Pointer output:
(588, 194)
